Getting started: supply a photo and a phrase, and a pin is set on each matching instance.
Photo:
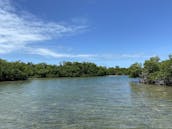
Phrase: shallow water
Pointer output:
(111, 102)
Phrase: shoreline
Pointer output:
(84, 77)
(35, 78)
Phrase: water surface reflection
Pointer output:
(112, 102)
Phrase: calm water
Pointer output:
(112, 102)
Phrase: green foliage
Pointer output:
(117, 71)
(10, 71)
(102, 71)
(155, 72)
(152, 65)
(111, 71)
(13, 71)
(135, 70)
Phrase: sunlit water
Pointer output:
(111, 102)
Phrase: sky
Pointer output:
(105, 32)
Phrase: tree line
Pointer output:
(153, 71)
(10, 71)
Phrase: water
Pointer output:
(113, 102)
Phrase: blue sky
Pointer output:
(106, 32)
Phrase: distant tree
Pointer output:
(111, 71)
(152, 65)
(135, 70)
(153, 71)
(102, 71)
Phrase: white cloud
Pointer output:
(105, 57)
(123, 56)
(17, 31)
(47, 52)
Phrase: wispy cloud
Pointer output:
(123, 56)
(126, 56)
(17, 31)
(47, 52)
